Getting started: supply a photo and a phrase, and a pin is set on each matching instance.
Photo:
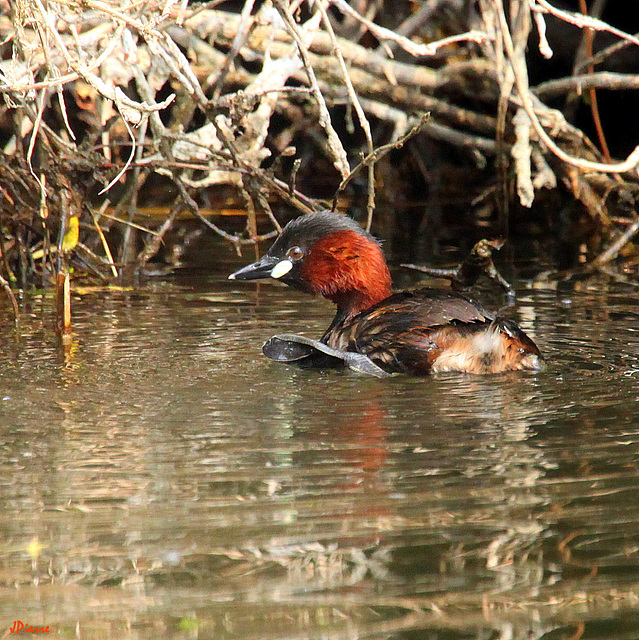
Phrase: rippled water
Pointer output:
(164, 480)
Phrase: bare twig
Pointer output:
(223, 26)
(596, 11)
(582, 21)
(479, 261)
(598, 80)
(238, 42)
(154, 241)
(408, 45)
(411, 24)
(544, 47)
(370, 207)
(379, 153)
(613, 250)
(12, 298)
(600, 56)
(522, 154)
(129, 160)
(460, 138)
(339, 154)
(105, 245)
(34, 139)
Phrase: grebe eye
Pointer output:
(295, 254)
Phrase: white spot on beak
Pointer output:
(281, 269)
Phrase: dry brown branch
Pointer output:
(522, 155)
(613, 250)
(582, 21)
(369, 73)
(378, 154)
(237, 44)
(105, 244)
(408, 45)
(130, 109)
(544, 47)
(152, 245)
(12, 299)
(600, 56)
(457, 138)
(408, 99)
(580, 83)
(334, 143)
(586, 48)
(370, 206)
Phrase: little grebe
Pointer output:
(418, 332)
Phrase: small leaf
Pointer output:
(72, 235)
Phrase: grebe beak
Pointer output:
(266, 267)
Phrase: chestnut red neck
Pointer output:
(349, 269)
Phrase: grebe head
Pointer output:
(326, 254)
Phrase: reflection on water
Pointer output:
(163, 480)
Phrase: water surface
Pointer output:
(163, 480)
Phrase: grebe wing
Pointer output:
(405, 331)
(431, 307)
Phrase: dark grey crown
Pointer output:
(306, 230)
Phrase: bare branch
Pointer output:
(335, 144)
(598, 80)
(408, 45)
(581, 20)
(360, 114)
(379, 153)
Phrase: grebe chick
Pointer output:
(417, 332)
